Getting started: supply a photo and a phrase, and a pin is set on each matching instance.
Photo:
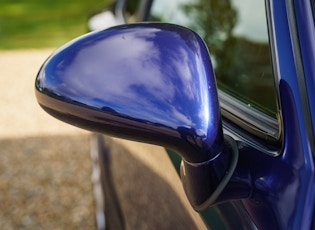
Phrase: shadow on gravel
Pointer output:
(147, 201)
(45, 183)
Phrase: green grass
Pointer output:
(43, 23)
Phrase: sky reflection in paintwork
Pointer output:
(142, 75)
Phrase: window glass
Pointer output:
(237, 36)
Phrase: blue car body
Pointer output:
(273, 184)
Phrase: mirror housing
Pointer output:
(148, 82)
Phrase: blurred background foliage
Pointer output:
(50, 23)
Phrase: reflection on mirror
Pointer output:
(236, 34)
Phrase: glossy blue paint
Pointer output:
(306, 31)
(283, 195)
(157, 76)
(168, 96)
(290, 74)
(146, 82)
(283, 188)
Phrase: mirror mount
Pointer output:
(204, 183)
(147, 82)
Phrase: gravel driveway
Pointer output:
(45, 168)
(44, 164)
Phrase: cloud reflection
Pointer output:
(146, 76)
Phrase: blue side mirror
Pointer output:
(148, 82)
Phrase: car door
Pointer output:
(262, 54)
(256, 50)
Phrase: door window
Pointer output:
(236, 34)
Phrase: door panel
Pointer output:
(282, 196)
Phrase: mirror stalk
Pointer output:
(204, 183)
